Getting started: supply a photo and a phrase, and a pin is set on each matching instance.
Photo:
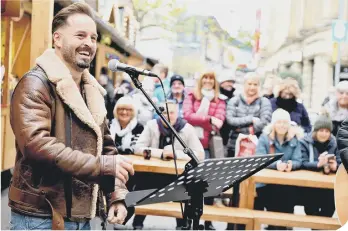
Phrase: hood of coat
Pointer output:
(294, 131)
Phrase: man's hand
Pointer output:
(289, 166)
(117, 213)
(281, 166)
(217, 122)
(123, 167)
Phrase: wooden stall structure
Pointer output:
(26, 33)
(26, 30)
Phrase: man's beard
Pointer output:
(69, 56)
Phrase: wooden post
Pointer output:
(41, 28)
(7, 60)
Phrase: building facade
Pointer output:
(300, 40)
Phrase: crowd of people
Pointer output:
(70, 163)
(278, 119)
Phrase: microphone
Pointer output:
(114, 65)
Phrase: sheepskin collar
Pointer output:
(66, 88)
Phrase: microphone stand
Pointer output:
(134, 76)
(194, 206)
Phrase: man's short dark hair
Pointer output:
(60, 19)
(104, 71)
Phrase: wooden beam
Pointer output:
(21, 44)
(41, 28)
(7, 59)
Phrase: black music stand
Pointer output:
(209, 178)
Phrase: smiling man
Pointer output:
(66, 159)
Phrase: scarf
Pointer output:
(228, 94)
(126, 133)
(321, 147)
(165, 132)
(208, 95)
(288, 105)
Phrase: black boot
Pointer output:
(208, 225)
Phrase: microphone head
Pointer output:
(113, 64)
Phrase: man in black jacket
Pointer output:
(342, 142)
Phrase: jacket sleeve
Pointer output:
(194, 143)
(231, 115)
(312, 166)
(192, 117)
(109, 148)
(342, 142)
(296, 157)
(220, 111)
(144, 142)
(31, 124)
(265, 115)
(305, 122)
(263, 149)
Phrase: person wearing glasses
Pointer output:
(338, 106)
(125, 128)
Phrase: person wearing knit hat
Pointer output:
(226, 82)
(125, 129)
(278, 137)
(319, 153)
(177, 92)
(323, 121)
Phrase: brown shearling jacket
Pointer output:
(39, 122)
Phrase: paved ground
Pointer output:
(151, 222)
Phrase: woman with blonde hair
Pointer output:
(204, 110)
(286, 95)
(125, 128)
(247, 112)
(280, 136)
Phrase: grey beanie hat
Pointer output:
(323, 121)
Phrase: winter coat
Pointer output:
(181, 104)
(299, 115)
(309, 148)
(217, 109)
(226, 128)
(150, 139)
(158, 92)
(45, 156)
(239, 116)
(291, 147)
(118, 140)
(145, 109)
(337, 115)
(342, 142)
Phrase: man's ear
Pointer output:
(57, 39)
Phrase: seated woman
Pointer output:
(279, 137)
(319, 153)
(125, 129)
(156, 140)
